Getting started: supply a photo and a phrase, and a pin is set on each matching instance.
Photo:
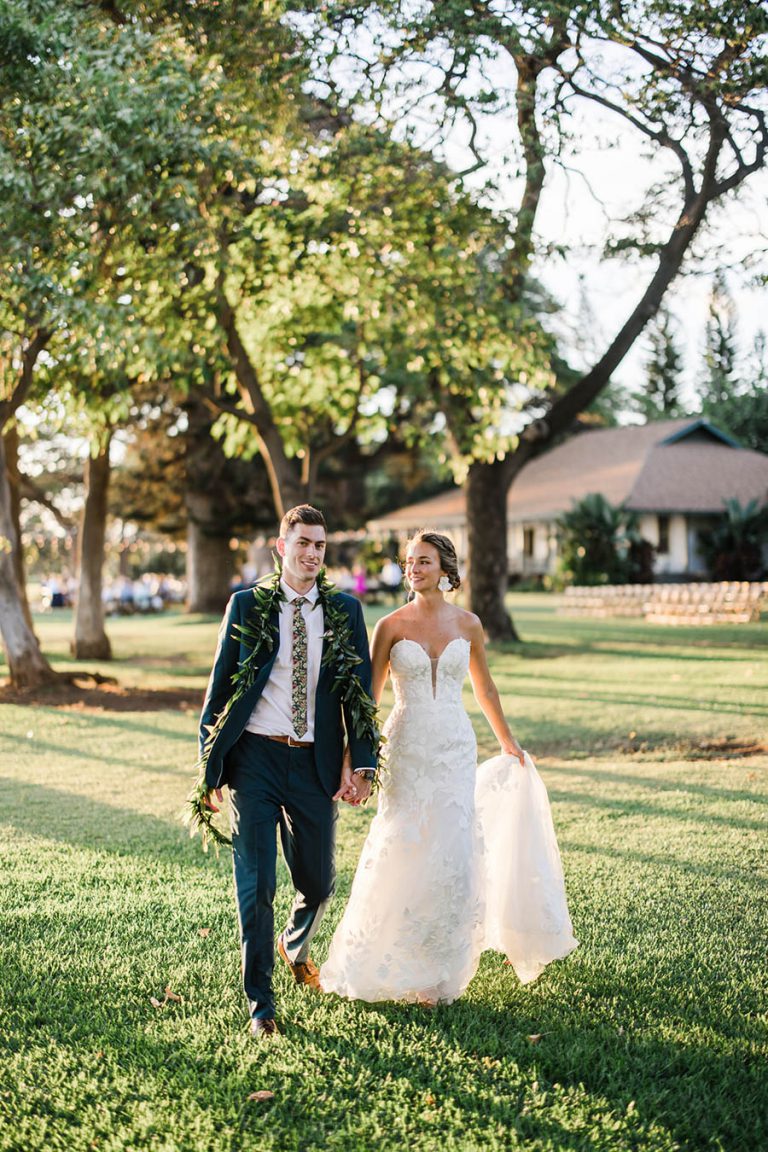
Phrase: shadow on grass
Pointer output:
(657, 784)
(106, 719)
(638, 646)
(88, 699)
(545, 1066)
(27, 746)
(637, 700)
(665, 862)
(69, 818)
(633, 807)
(606, 1063)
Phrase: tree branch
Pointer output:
(23, 385)
(110, 9)
(280, 469)
(745, 169)
(36, 495)
(660, 135)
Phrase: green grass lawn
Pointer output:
(652, 1036)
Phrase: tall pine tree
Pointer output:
(721, 379)
(661, 397)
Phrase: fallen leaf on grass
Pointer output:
(168, 995)
(429, 1099)
(535, 1037)
(262, 1094)
(203, 931)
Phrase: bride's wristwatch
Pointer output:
(366, 773)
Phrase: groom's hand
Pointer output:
(352, 789)
(209, 802)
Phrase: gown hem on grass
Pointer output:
(459, 858)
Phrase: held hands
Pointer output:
(352, 789)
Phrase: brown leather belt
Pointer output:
(289, 740)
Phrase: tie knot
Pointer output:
(298, 601)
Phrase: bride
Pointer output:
(457, 859)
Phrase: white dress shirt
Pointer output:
(272, 714)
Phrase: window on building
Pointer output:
(529, 535)
(663, 545)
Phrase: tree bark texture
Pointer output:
(27, 666)
(486, 491)
(12, 472)
(210, 569)
(90, 640)
(210, 512)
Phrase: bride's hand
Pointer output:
(512, 748)
(347, 785)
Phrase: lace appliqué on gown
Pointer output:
(416, 924)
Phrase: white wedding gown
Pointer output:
(458, 858)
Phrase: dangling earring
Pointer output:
(444, 584)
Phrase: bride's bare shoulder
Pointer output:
(390, 625)
(469, 624)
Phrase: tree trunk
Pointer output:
(541, 433)
(486, 490)
(27, 666)
(210, 568)
(12, 472)
(284, 476)
(211, 508)
(91, 641)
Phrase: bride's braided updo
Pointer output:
(449, 561)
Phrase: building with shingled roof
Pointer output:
(675, 474)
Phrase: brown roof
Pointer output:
(697, 477)
(447, 509)
(665, 466)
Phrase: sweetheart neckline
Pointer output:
(432, 659)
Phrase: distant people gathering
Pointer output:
(363, 584)
(151, 592)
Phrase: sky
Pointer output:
(606, 182)
(608, 178)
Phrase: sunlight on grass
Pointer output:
(651, 1036)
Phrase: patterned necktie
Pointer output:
(299, 669)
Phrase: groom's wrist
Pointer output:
(366, 773)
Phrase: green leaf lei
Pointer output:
(339, 653)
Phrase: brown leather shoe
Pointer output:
(264, 1028)
(305, 973)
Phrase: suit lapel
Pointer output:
(325, 678)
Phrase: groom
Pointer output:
(301, 650)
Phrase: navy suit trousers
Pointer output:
(275, 786)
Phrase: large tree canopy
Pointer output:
(182, 213)
(104, 128)
(685, 81)
(238, 201)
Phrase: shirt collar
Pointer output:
(291, 594)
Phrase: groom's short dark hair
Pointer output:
(301, 514)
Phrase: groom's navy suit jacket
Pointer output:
(331, 711)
